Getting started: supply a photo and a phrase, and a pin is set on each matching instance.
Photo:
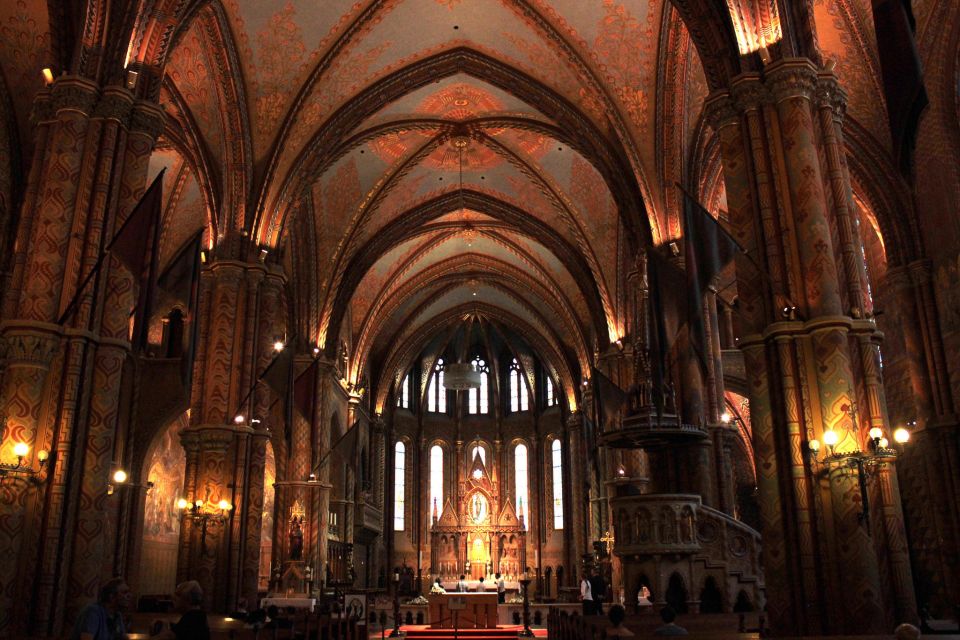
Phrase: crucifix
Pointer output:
(608, 539)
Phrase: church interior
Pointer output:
(349, 307)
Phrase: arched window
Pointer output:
(550, 399)
(518, 389)
(436, 393)
(479, 399)
(399, 485)
(478, 449)
(436, 480)
(403, 398)
(520, 480)
(557, 463)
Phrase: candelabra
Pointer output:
(524, 585)
(20, 450)
(863, 462)
(203, 515)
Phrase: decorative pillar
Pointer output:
(61, 384)
(788, 194)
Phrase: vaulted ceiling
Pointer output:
(415, 161)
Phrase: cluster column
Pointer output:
(810, 352)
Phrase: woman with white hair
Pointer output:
(188, 599)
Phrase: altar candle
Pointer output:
(420, 559)
(536, 556)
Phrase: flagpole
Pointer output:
(259, 378)
(103, 255)
(774, 287)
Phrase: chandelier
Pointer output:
(460, 376)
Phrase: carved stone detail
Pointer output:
(115, 104)
(792, 79)
(30, 348)
(75, 94)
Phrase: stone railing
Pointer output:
(680, 523)
(656, 523)
(728, 540)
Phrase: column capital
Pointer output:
(721, 110)
(30, 344)
(147, 118)
(75, 94)
(830, 94)
(749, 92)
(115, 103)
(792, 78)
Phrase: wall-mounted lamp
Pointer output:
(726, 418)
(132, 79)
(117, 480)
(204, 515)
(47, 75)
(864, 462)
(238, 419)
(20, 450)
(278, 345)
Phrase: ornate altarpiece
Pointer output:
(480, 535)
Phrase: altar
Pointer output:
(472, 610)
(477, 534)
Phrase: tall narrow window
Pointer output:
(436, 393)
(550, 398)
(477, 449)
(518, 389)
(399, 485)
(557, 463)
(436, 480)
(520, 481)
(403, 398)
(479, 399)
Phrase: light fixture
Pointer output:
(862, 462)
(119, 476)
(901, 435)
(211, 516)
(47, 75)
(278, 346)
(238, 419)
(477, 474)
(725, 417)
(20, 450)
(316, 350)
(460, 376)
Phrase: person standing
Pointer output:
(501, 590)
(462, 584)
(598, 588)
(586, 596)
(103, 620)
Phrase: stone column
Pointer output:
(787, 190)
(63, 396)
(575, 513)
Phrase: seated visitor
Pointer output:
(188, 599)
(437, 587)
(669, 628)
(103, 620)
(616, 615)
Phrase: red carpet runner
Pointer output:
(424, 632)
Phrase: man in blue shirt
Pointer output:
(103, 620)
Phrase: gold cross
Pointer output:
(608, 538)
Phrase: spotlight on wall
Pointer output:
(263, 255)
(278, 346)
(132, 78)
(47, 75)
(725, 417)
(316, 351)
(238, 419)
(674, 248)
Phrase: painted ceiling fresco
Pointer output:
(367, 116)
